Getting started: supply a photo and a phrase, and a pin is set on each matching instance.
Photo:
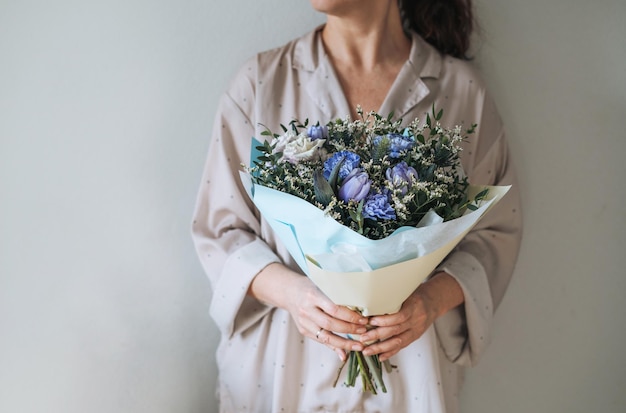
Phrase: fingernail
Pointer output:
(357, 347)
(361, 330)
(363, 321)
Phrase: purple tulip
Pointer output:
(355, 186)
(317, 132)
(401, 176)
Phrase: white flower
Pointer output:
(296, 148)
(282, 141)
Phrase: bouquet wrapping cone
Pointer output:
(374, 276)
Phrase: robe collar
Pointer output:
(325, 91)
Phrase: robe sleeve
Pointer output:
(483, 262)
(226, 227)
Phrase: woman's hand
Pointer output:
(314, 314)
(429, 301)
(319, 318)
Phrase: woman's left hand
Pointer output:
(395, 331)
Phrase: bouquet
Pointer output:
(367, 208)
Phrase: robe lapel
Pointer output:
(409, 89)
(322, 87)
(325, 91)
(405, 93)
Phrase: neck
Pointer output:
(367, 37)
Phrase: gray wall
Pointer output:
(105, 111)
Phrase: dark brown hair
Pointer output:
(446, 24)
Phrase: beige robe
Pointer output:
(265, 365)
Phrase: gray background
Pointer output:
(105, 112)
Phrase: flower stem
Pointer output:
(376, 372)
(339, 371)
(352, 369)
(365, 373)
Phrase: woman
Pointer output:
(282, 339)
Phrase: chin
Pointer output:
(335, 7)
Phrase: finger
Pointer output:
(335, 341)
(383, 333)
(328, 338)
(391, 346)
(329, 322)
(341, 353)
(342, 312)
(385, 355)
(310, 317)
(400, 317)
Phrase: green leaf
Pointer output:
(357, 217)
(334, 175)
(323, 191)
(481, 195)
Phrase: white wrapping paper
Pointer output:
(375, 276)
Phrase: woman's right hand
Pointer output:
(313, 313)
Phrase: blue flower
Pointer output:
(350, 161)
(401, 176)
(317, 132)
(377, 207)
(397, 143)
(355, 187)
